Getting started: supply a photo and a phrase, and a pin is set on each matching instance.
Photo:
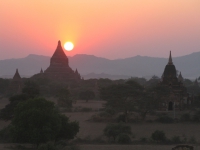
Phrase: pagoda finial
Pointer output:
(170, 59)
(180, 77)
(59, 44)
(41, 71)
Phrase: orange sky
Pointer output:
(106, 28)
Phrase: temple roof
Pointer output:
(59, 56)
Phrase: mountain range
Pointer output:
(90, 66)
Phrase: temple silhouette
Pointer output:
(16, 84)
(59, 68)
(178, 92)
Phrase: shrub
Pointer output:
(121, 118)
(123, 138)
(114, 130)
(158, 136)
(192, 140)
(143, 139)
(185, 117)
(105, 114)
(165, 119)
(176, 139)
(110, 111)
(184, 138)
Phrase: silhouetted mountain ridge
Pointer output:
(92, 66)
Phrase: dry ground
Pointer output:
(93, 130)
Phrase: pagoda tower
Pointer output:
(59, 68)
(15, 86)
(175, 82)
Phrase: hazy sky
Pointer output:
(105, 28)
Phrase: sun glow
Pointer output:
(68, 46)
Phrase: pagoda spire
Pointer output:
(41, 71)
(59, 45)
(170, 59)
(180, 77)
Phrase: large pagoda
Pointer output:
(59, 68)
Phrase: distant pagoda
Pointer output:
(59, 67)
(179, 95)
(15, 86)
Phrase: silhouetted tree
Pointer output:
(64, 99)
(37, 121)
(30, 90)
(114, 130)
(87, 95)
(122, 97)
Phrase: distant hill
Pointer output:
(95, 67)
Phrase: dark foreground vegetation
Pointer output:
(37, 121)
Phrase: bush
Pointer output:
(185, 117)
(165, 119)
(110, 111)
(123, 138)
(192, 140)
(114, 130)
(159, 136)
(143, 139)
(176, 139)
(121, 118)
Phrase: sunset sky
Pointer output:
(105, 28)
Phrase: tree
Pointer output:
(64, 98)
(87, 95)
(122, 97)
(68, 129)
(114, 130)
(158, 136)
(4, 83)
(30, 90)
(37, 121)
(146, 103)
(7, 113)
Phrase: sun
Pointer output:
(68, 46)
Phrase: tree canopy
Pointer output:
(122, 97)
(30, 90)
(37, 121)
